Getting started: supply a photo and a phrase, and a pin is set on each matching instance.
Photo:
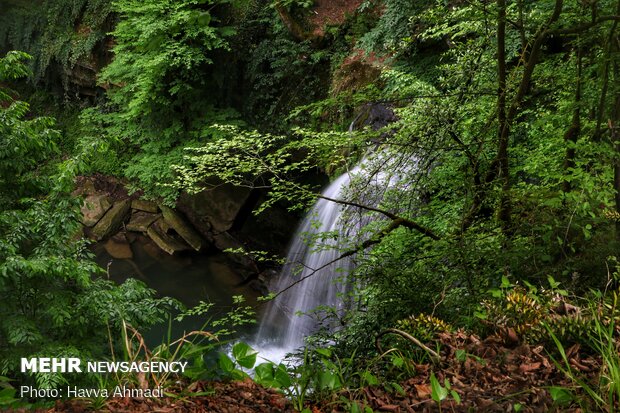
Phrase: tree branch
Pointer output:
(401, 222)
(582, 27)
(434, 355)
(396, 223)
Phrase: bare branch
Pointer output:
(434, 355)
(400, 221)
(582, 27)
(396, 223)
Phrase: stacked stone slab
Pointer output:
(111, 221)
(198, 221)
(163, 225)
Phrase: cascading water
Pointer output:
(286, 321)
(313, 276)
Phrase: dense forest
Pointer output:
(475, 248)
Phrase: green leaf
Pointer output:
(369, 378)
(399, 389)
(481, 314)
(560, 395)
(282, 377)
(263, 373)
(438, 393)
(355, 408)
(496, 293)
(398, 361)
(225, 363)
(325, 352)
(552, 282)
(328, 380)
(244, 355)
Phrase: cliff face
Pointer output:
(68, 41)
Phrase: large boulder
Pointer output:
(112, 220)
(225, 241)
(270, 231)
(214, 210)
(146, 206)
(185, 231)
(94, 207)
(118, 247)
(165, 241)
(140, 221)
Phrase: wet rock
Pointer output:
(218, 207)
(140, 221)
(164, 241)
(118, 247)
(95, 206)
(146, 206)
(112, 220)
(151, 248)
(224, 241)
(375, 115)
(271, 230)
(181, 227)
(261, 282)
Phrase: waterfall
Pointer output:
(286, 322)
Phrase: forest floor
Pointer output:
(495, 374)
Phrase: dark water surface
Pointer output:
(190, 278)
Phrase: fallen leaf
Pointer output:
(529, 367)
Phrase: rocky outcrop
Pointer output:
(111, 222)
(224, 241)
(94, 208)
(158, 233)
(214, 210)
(311, 24)
(140, 221)
(199, 222)
(146, 206)
(374, 115)
(270, 230)
(185, 231)
(357, 71)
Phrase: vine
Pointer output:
(59, 32)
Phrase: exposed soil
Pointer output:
(331, 12)
(113, 187)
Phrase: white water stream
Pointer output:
(314, 279)
(290, 317)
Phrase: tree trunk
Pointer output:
(503, 131)
(572, 134)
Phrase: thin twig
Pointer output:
(434, 355)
